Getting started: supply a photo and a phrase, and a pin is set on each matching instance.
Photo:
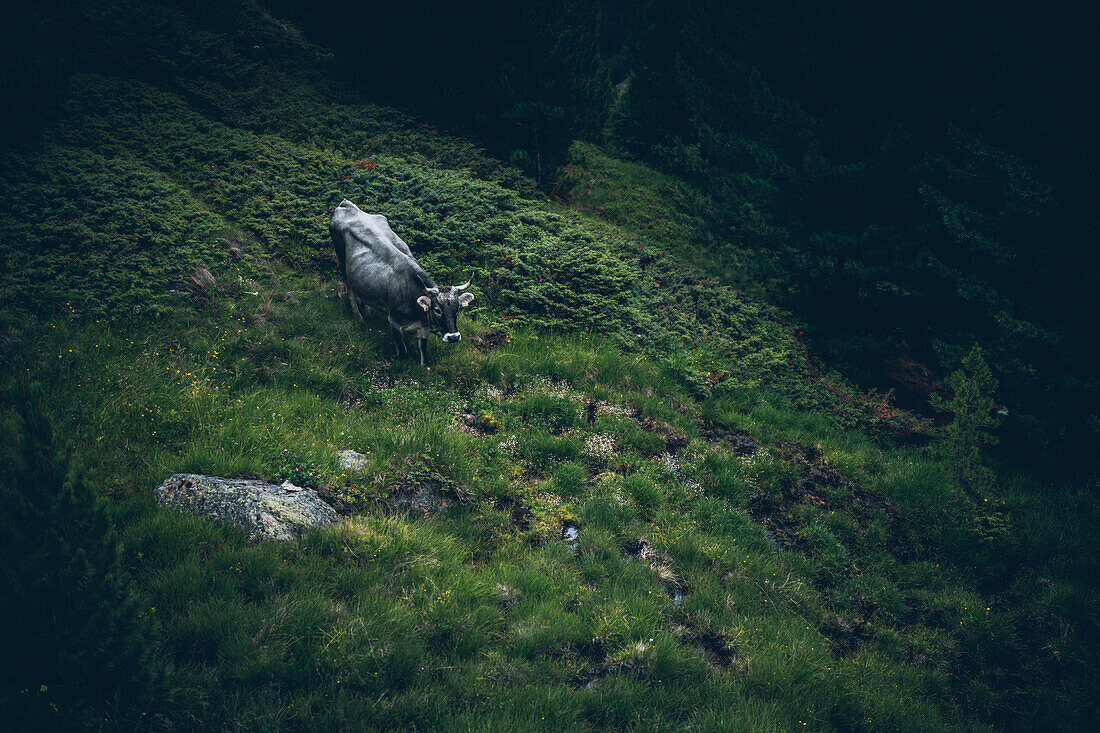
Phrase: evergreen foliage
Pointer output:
(761, 546)
(79, 648)
(973, 420)
(902, 204)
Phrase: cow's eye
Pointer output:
(438, 311)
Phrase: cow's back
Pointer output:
(377, 264)
(350, 224)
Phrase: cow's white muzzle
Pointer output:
(452, 338)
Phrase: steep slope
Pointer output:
(656, 510)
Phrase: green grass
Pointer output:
(869, 599)
(467, 616)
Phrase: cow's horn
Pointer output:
(463, 287)
(423, 284)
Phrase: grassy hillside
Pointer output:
(760, 546)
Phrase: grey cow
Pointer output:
(379, 270)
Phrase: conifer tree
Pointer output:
(973, 423)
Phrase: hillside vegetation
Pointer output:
(657, 509)
(904, 182)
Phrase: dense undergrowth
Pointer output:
(903, 205)
(758, 546)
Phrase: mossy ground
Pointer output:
(832, 579)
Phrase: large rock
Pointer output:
(265, 511)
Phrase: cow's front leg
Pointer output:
(423, 342)
(399, 341)
(354, 301)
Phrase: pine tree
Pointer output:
(973, 423)
(963, 440)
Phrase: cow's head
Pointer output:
(442, 305)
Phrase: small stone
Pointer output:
(349, 460)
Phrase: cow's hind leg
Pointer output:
(354, 301)
(399, 341)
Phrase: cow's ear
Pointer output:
(424, 301)
(465, 299)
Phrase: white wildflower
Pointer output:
(492, 392)
(606, 408)
(561, 390)
(510, 445)
(599, 445)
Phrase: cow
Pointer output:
(379, 270)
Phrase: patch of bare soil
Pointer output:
(740, 442)
(522, 517)
(719, 650)
(489, 340)
(335, 498)
(424, 492)
(425, 498)
(351, 396)
(674, 440)
(847, 635)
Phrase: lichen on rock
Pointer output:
(266, 511)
